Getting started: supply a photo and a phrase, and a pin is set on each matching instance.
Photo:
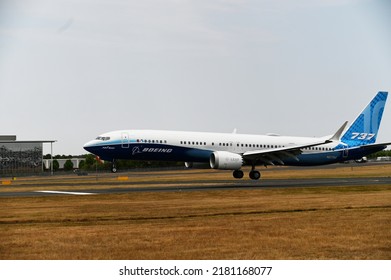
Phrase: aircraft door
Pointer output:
(125, 140)
(345, 151)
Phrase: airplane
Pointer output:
(232, 151)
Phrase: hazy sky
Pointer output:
(73, 69)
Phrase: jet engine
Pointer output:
(226, 160)
(197, 165)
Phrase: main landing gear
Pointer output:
(254, 174)
(238, 174)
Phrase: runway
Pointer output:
(120, 188)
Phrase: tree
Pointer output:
(90, 160)
(82, 164)
(68, 165)
(383, 153)
(56, 165)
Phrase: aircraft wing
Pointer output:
(278, 155)
(370, 146)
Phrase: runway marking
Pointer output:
(123, 178)
(61, 192)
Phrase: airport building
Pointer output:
(21, 157)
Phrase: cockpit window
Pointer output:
(103, 138)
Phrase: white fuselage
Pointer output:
(198, 146)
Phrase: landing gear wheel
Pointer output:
(114, 167)
(238, 174)
(255, 175)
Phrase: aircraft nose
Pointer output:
(89, 146)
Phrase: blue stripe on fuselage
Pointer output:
(152, 152)
(164, 152)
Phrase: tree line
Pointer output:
(385, 153)
(91, 163)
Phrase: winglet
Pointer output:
(338, 134)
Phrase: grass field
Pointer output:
(293, 223)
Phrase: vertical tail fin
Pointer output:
(364, 129)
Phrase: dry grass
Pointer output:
(303, 223)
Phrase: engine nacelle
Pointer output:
(197, 165)
(226, 160)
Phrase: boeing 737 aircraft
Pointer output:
(231, 151)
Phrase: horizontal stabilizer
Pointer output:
(370, 146)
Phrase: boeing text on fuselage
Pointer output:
(137, 150)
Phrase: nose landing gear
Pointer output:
(114, 167)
